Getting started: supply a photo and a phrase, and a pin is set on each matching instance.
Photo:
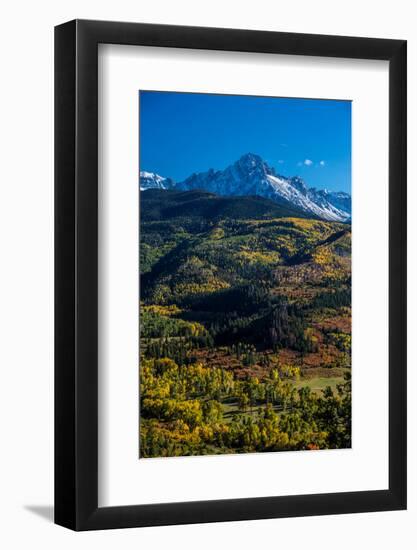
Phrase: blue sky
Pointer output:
(182, 133)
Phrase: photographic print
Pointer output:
(245, 274)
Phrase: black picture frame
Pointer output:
(76, 272)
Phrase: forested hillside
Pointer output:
(245, 326)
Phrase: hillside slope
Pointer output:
(158, 204)
(245, 320)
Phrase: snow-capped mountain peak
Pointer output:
(251, 175)
(252, 165)
(150, 180)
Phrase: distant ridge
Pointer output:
(162, 205)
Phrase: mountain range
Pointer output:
(252, 176)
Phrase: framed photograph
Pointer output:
(230, 247)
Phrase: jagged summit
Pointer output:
(249, 163)
(251, 175)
